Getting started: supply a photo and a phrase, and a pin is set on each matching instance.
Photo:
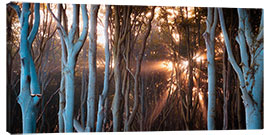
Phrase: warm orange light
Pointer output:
(190, 12)
(221, 37)
(168, 65)
(175, 36)
(200, 97)
(185, 64)
(198, 59)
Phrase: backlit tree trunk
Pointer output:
(73, 47)
(91, 99)
(138, 70)
(118, 41)
(103, 96)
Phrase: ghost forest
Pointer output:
(111, 68)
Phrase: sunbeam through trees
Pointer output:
(104, 68)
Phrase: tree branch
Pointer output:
(63, 31)
(138, 69)
(241, 39)
(17, 9)
(79, 43)
(77, 126)
(47, 104)
(127, 68)
(261, 30)
(213, 27)
(245, 26)
(74, 23)
(209, 18)
(34, 30)
(231, 58)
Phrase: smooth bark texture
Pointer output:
(209, 37)
(91, 101)
(60, 15)
(117, 99)
(103, 96)
(250, 71)
(83, 94)
(73, 47)
(29, 85)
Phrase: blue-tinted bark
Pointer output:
(117, 73)
(250, 74)
(103, 96)
(91, 99)
(62, 83)
(69, 87)
(73, 49)
(29, 86)
(209, 36)
(83, 93)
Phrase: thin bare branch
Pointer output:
(63, 32)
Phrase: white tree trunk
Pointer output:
(250, 73)
(73, 48)
(91, 99)
(209, 37)
(103, 96)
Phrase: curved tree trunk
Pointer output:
(250, 72)
(117, 99)
(73, 46)
(138, 70)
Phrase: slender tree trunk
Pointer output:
(225, 105)
(83, 95)
(138, 70)
(142, 105)
(117, 96)
(61, 104)
(103, 96)
(69, 98)
(239, 102)
(126, 87)
(209, 36)
(91, 99)
(117, 99)
(62, 83)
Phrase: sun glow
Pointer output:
(190, 13)
(221, 37)
(168, 65)
(198, 59)
(176, 37)
(185, 64)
